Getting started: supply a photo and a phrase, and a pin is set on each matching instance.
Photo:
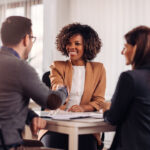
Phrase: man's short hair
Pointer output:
(14, 28)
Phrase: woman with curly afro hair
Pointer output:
(90, 40)
(85, 80)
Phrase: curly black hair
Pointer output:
(92, 42)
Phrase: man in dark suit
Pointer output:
(19, 82)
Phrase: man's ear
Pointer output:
(26, 40)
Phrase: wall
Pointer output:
(56, 15)
(110, 18)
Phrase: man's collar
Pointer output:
(11, 50)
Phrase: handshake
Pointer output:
(58, 97)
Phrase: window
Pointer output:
(32, 9)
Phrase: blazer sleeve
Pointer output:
(97, 100)
(56, 74)
(121, 100)
(32, 87)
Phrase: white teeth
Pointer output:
(73, 53)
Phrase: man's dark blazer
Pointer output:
(130, 110)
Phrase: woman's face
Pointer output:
(129, 53)
(75, 48)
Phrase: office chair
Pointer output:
(46, 79)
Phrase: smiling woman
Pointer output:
(129, 53)
(130, 105)
(75, 50)
(85, 80)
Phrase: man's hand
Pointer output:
(37, 124)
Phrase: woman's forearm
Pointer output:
(87, 108)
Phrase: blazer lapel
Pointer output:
(88, 85)
(68, 75)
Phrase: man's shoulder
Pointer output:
(25, 67)
(20, 65)
(9, 59)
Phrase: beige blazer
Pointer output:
(94, 88)
(95, 81)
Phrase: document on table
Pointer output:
(65, 115)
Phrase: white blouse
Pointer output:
(77, 88)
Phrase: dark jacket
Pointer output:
(18, 83)
(130, 110)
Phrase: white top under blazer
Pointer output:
(77, 88)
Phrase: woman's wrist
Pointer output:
(87, 108)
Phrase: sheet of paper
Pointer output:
(88, 120)
(65, 115)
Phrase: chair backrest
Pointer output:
(46, 79)
(2, 140)
(32, 143)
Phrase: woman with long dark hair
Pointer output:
(130, 108)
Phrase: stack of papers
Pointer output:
(65, 115)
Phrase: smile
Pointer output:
(72, 53)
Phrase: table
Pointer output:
(78, 126)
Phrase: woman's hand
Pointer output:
(107, 106)
(76, 108)
(81, 108)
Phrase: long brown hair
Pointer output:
(140, 36)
